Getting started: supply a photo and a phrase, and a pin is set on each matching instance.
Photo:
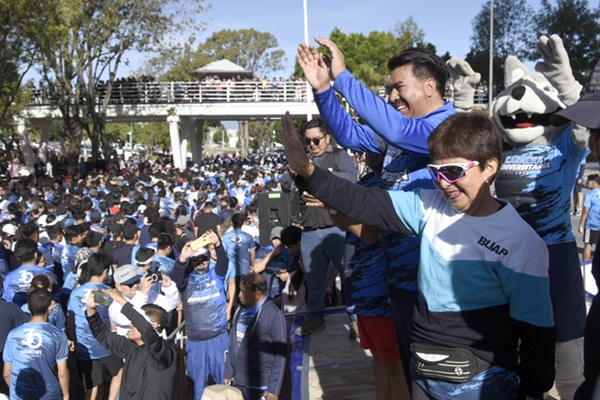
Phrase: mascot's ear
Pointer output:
(514, 70)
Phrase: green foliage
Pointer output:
(512, 35)
(262, 135)
(17, 53)
(579, 27)
(367, 55)
(83, 44)
(253, 50)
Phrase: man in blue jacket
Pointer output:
(397, 129)
(257, 343)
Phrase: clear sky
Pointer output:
(447, 24)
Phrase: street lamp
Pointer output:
(491, 81)
(308, 114)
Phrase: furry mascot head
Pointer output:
(522, 111)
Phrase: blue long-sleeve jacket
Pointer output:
(260, 358)
(381, 119)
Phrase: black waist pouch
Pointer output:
(450, 364)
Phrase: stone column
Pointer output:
(43, 149)
(185, 135)
(173, 121)
(196, 141)
(24, 143)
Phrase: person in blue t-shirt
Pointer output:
(202, 290)
(590, 218)
(271, 262)
(57, 316)
(32, 353)
(91, 355)
(240, 249)
(18, 281)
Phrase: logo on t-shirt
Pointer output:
(33, 340)
(492, 246)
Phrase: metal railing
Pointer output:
(190, 92)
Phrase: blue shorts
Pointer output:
(566, 291)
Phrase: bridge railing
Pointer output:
(191, 92)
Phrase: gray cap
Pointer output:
(276, 232)
(126, 275)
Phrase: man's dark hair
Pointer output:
(316, 123)
(255, 281)
(164, 241)
(156, 229)
(53, 231)
(291, 235)
(29, 230)
(96, 265)
(156, 314)
(93, 238)
(251, 209)
(79, 215)
(152, 215)
(144, 254)
(237, 221)
(594, 178)
(71, 232)
(39, 301)
(425, 64)
(25, 250)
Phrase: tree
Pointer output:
(86, 44)
(261, 135)
(512, 35)
(20, 20)
(253, 50)
(579, 28)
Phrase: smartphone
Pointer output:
(202, 241)
(101, 298)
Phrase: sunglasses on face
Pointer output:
(315, 141)
(450, 172)
(131, 285)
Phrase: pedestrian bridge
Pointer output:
(221, 101)
(184, 105)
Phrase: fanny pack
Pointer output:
(450, 364)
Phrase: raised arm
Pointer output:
(368, 205)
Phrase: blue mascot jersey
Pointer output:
(538, 182)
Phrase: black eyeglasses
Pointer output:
(316, 141)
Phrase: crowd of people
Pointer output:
(452, 289)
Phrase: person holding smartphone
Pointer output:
(150, 361)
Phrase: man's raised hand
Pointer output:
(338, 63)
(314, 68)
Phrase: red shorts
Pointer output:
(378, 334)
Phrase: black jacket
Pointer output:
(149, 370)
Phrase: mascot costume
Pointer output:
(540, 162)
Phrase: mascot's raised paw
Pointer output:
(465, 81)
(557, 68)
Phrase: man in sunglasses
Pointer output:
(202, 290)
(414, 108)
(322, 241)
